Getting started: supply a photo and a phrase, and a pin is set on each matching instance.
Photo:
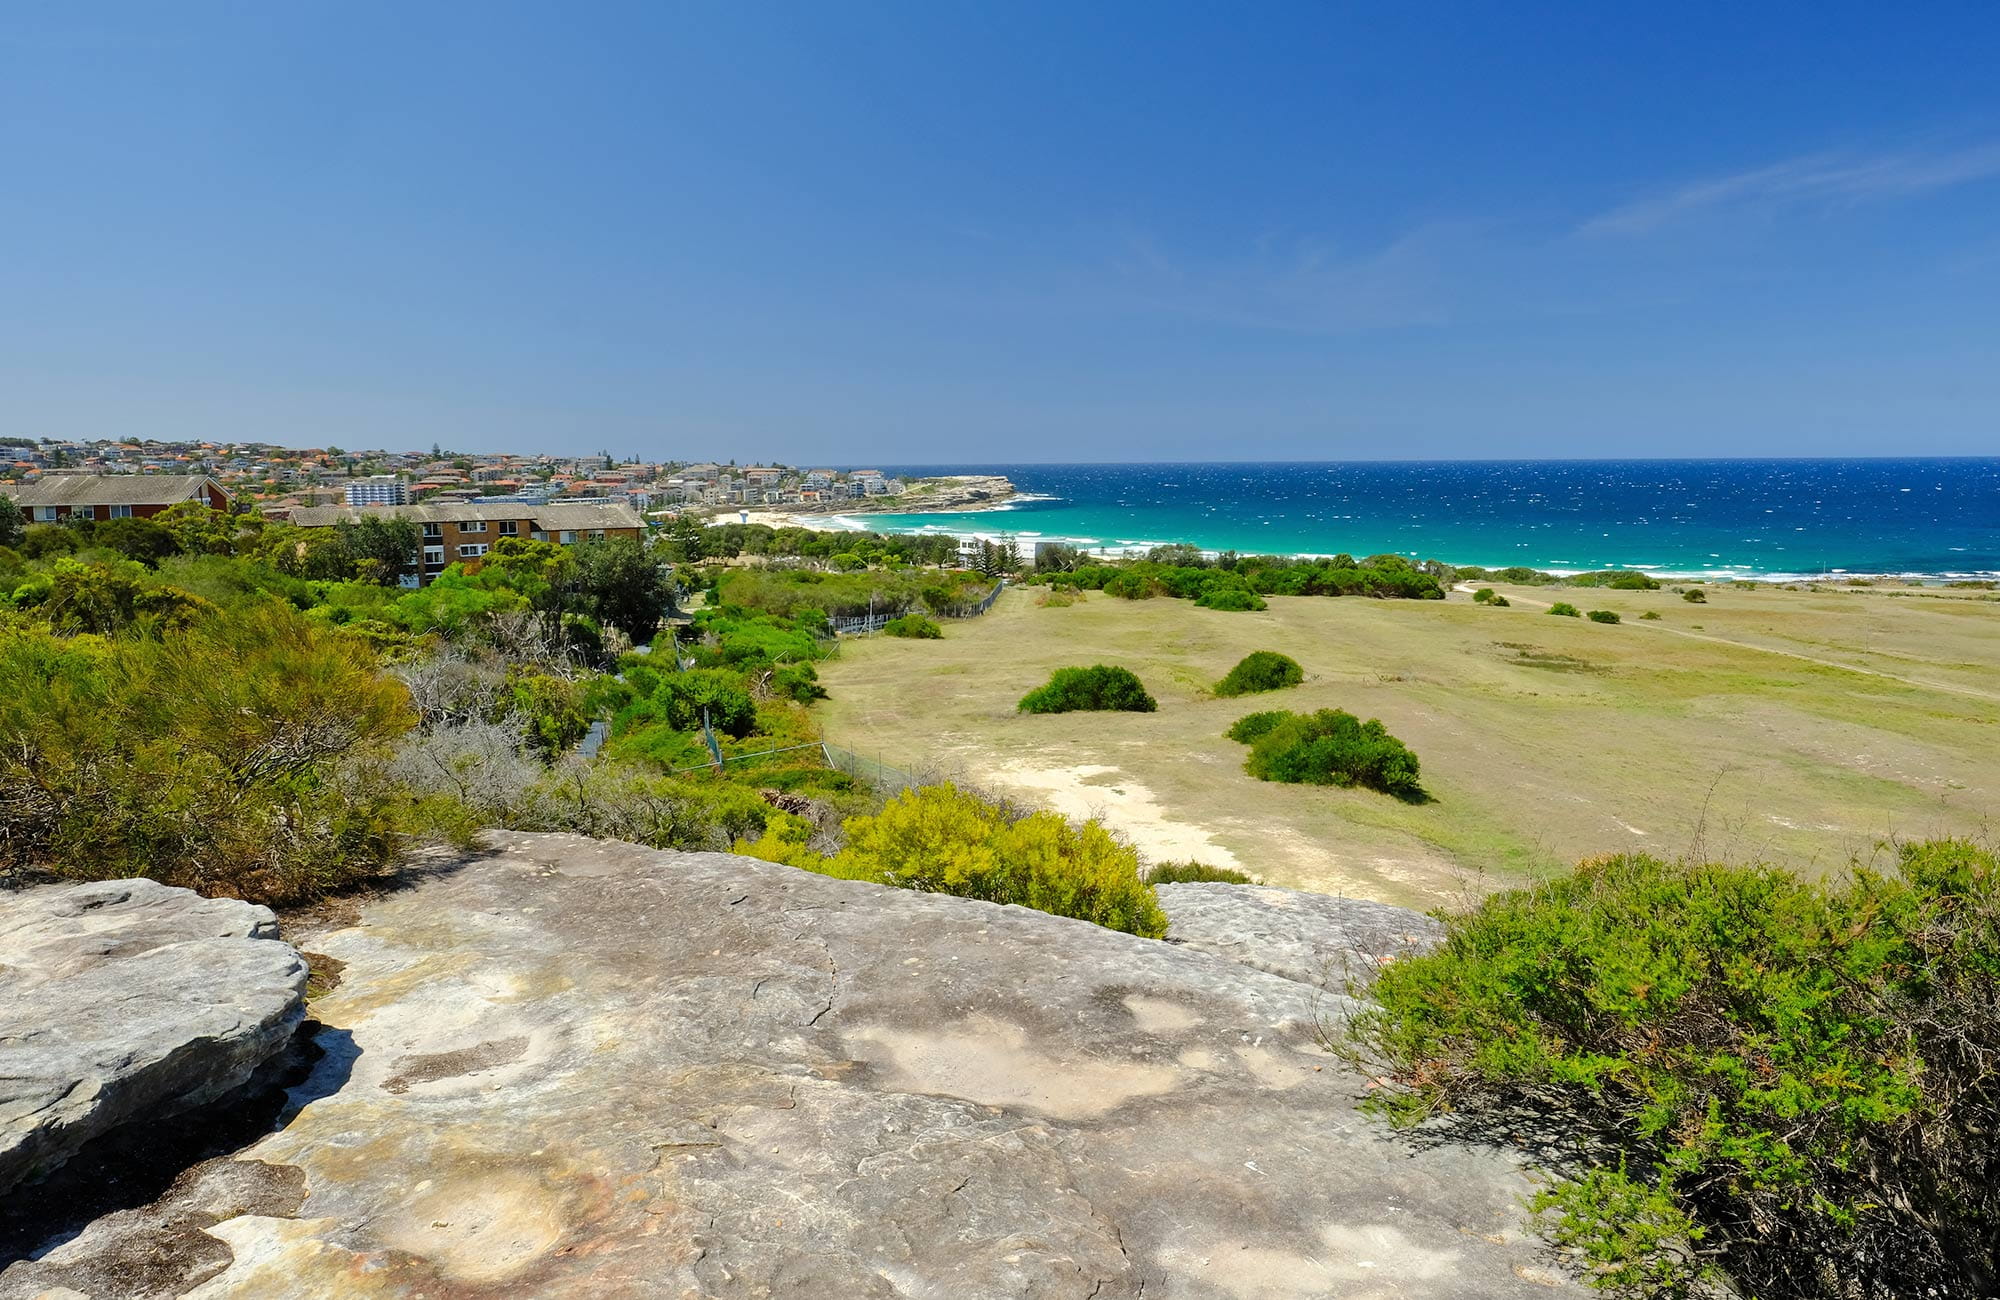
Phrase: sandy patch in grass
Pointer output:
(1093, 790)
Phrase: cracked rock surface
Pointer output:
(127, 1000)
(575, 1068)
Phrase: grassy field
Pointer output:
(1794, 726)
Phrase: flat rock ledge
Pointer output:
(1316, 939)
(567, 1067)
(127, 1000)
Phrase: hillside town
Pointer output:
(278, 480)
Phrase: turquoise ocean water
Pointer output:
(1749, 518)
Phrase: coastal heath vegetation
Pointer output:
(1189, 873)
(255, 709)
(1739, 1074)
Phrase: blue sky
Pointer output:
(935, 232)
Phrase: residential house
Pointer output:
(112, 496)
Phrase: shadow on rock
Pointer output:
(144, 1163)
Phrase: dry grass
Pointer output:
(1543, 739)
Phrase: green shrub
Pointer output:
(223, 757)
(1235, 599)
(1483, 595)
(1329, 747)
(552, 707)
(1131, 586)
(798, 682)
(1602, 616)
(1179, 873)
(678, 701)
(941, 839)
(1261, 670)
(1694, 596)
(1253, 726)
(914, 626)
(1787, 1081)
(1101, 687)
(1650, 616)
(1564, 609)
(1499, 602)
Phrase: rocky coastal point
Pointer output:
(952, 493)
(569, 1067)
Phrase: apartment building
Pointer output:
(381, 490)
(458, 531)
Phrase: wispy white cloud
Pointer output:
(1305, 285)
(1825, 178)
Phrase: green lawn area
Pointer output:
(1543, 739)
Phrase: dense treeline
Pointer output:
(1231, 581)
(853, 549)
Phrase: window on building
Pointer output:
(565, 537)
(434, 555)
(121, 512)
(510, 528)
(434, 530)
(597, 534)
(472, 526)
(471, 550)
(45, 514)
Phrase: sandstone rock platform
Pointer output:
(1316, 939)
(127, 1000)
(574, 1068)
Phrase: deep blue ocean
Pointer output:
(1751, 518)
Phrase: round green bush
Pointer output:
(1482, 596)
(1261, 670)
(1564, 609)
(1330, 747)
(1102, 687)
(914, 626)
(1694, 596)
(1499, 602)
(1253, 725)
(1231, 598)
(1602, 616)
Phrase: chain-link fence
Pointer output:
(862, 624)
(870, 770)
